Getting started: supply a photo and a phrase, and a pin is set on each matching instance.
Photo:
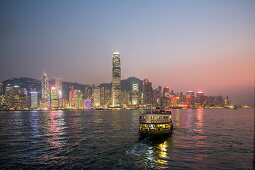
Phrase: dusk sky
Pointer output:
(185, 45)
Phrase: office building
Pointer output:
(116, 86)
(200, 97)
(147, 92)
(34, 99)
(58, 86)
(8, 96)
(96, 97)
(54, 98)
(75, 99)
(135, 94)
(45, 102)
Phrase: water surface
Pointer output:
(202, 139)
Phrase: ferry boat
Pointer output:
(155, 124)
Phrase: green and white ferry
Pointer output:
(155, 124)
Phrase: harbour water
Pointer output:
(202, 139)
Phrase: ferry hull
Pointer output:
(156, 134)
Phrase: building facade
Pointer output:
(135, 95)
(45, 102)
(54, 98)
(116, 86)
(34, 99)
(147, 92)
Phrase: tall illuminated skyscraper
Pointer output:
(58, 85)
(53, 98)
(1, 88)
(34, 101)
(8, 95)
(45, 91)
(135, 93)
(75, 99)
(96, 97)
(147, 92)
(116, 75)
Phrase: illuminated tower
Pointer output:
(200, 97)
(45, 89)
(135, 93)
(34, 102)
(116, 75)
(1, 88)
(58, 85)
(15, 93)
(75, 99)
(8, 96)
(96, 97)
(54, 98)
(147, 92)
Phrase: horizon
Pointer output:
(199, 46)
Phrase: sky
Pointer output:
(194, 45)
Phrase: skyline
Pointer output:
(206, 46)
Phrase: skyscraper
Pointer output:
(96, 97)
(147, 92)
(116, 86)
(54, 98)
(75, 99)
(8, 95)
(165, 97)
(34, 101)
(105, 96)
(1, 88)
(15, 92)
(200, 97)
(23, 99)
(190, 98)
(45, 91)
(135, 93)
(58, 85)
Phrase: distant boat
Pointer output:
(155, 124)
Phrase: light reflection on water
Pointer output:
(55, 129)
(200, 121)
(202, 139)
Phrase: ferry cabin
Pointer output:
(155, 122)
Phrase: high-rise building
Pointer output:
(23, 99)
(58, 85)
(105, 97)
(8, 95)
(154, 98)
(16, 97)
(116, 86)
(166, 92)
(1, 88)
(125, 98)
(53, 98)
(88, 92)
(147, 92)
(45, 103)
(190, 97)
(165, 97)
(96, 97)
(200, 97)
(34, 99)
(73, 99)
(135, 94)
